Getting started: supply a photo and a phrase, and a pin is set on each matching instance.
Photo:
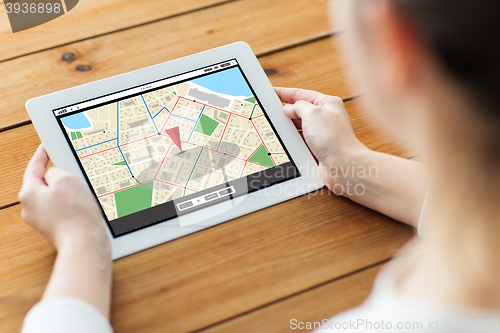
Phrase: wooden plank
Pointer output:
(311, 306)
(254, 21)
(90, 18)
(213, 275)
(316, 65)
(19, 144)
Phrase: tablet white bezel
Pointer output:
(41, 109)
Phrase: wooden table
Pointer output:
(305, 259)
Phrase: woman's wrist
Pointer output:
(83, 267)
(87, 236)
(349, 172)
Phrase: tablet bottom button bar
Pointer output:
(226, 191)
(205, 198)
(211, 196)
(185, 205)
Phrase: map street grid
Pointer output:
(133, 164)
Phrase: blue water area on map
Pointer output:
(76, 122)
(229, 82)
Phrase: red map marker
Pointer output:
(175, 135)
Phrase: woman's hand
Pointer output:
(391, 185)
(59, 206)
(64, 211)
(326, 128)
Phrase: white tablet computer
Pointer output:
(174, 148)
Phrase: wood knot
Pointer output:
(211, 31)
(83, 68)
(270, 71)
(68, 57)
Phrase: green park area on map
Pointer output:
(262, 157)
(76, 135)
(134, 199)
(206, 125)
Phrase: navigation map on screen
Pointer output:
(167, 141)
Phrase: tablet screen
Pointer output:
(173, 146)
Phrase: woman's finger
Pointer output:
(54, 174)
(36, 167)
(297, 110)
(289, 111)
(293, 95)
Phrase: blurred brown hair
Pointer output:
(464, 35)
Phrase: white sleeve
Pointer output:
(62, 315)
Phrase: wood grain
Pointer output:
(88, 19)
(316, 65)
(312, 306)
(254, 21)
(215, 274)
